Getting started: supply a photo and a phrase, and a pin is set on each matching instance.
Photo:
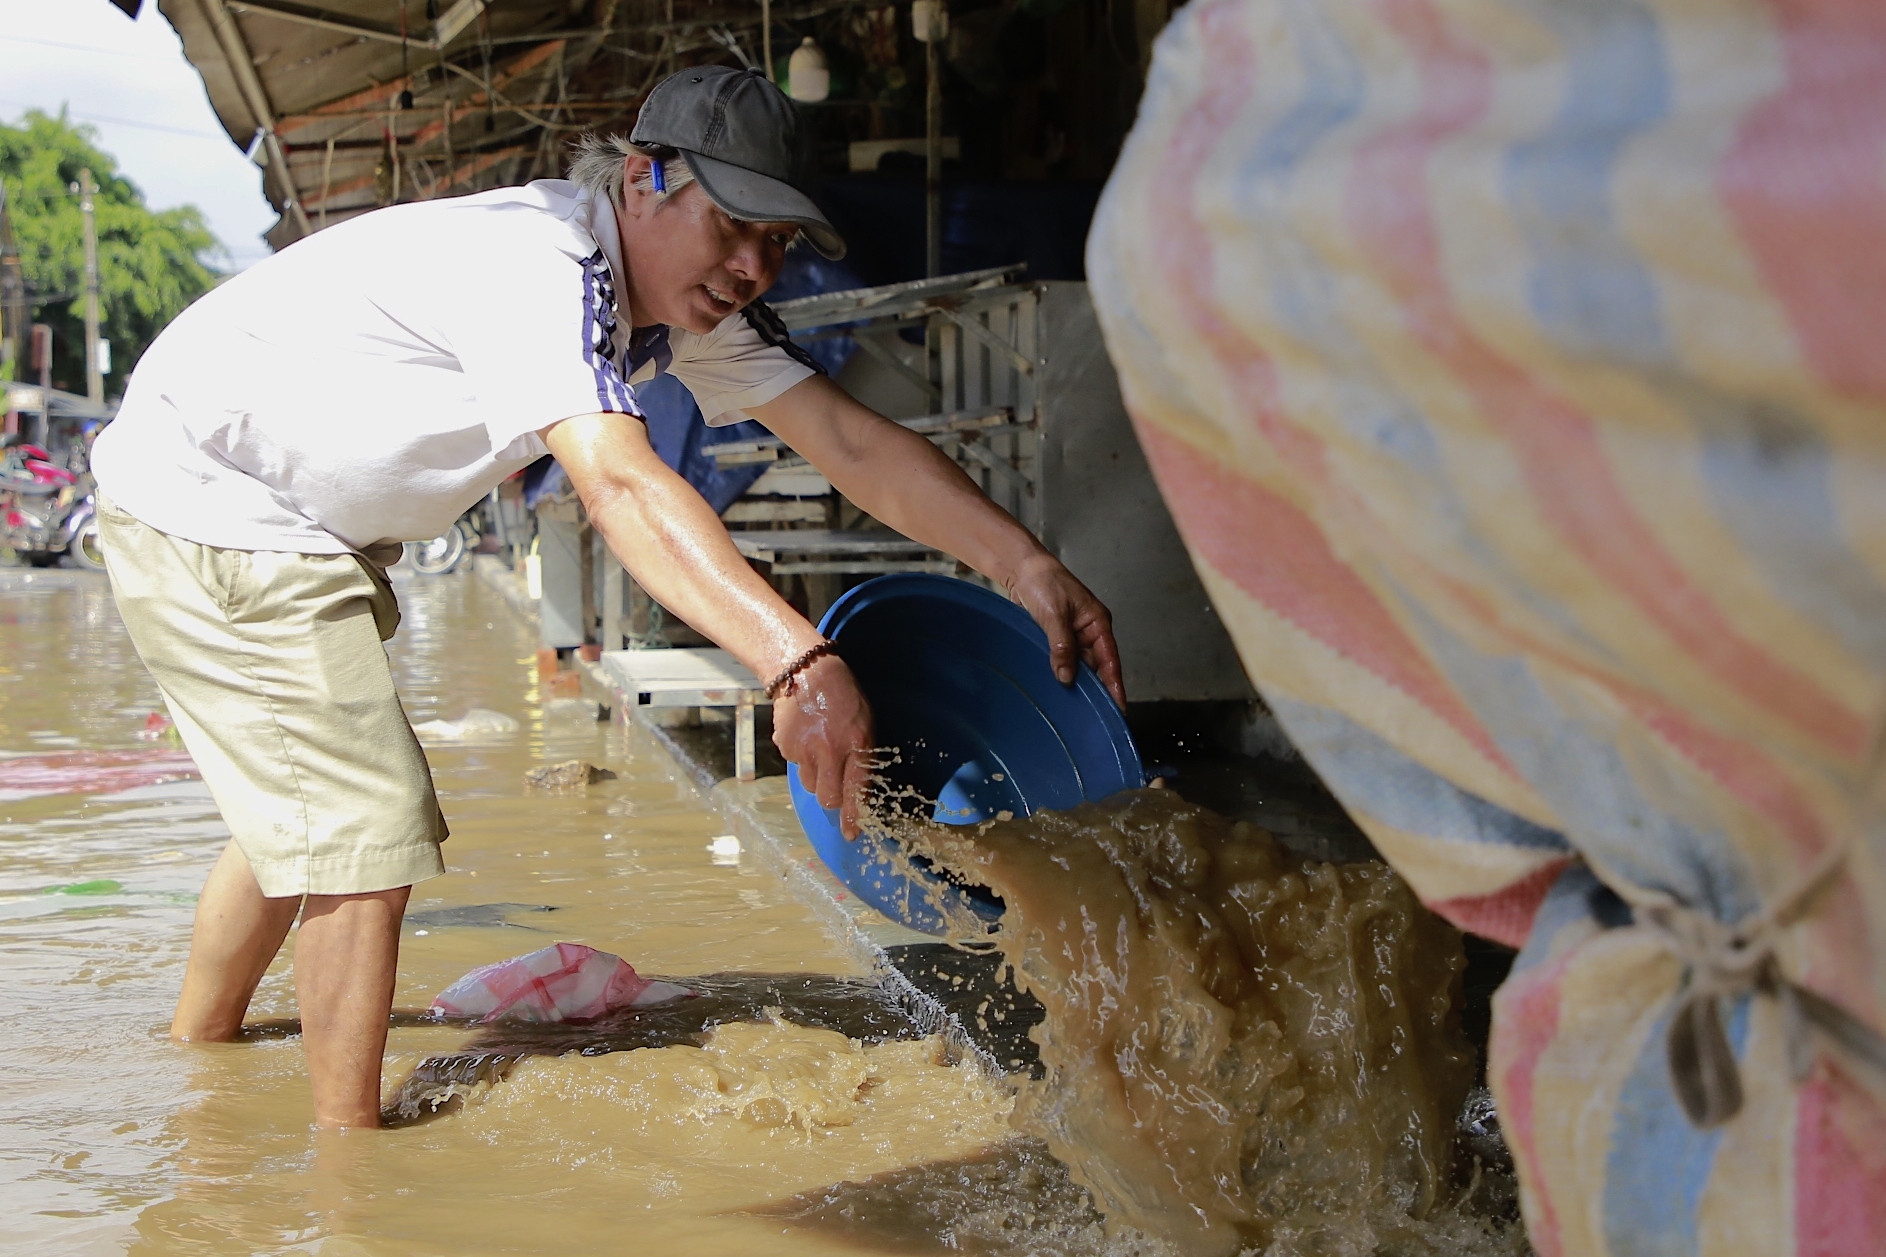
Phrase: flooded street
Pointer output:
(118, 1140)
(1245, 1050)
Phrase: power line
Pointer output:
(110, 52)
(125, 122)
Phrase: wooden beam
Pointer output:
(478, 165)
(352, 105)
(344, 187)
(241, 62)
(376, 98)
(325, 19)
(449, 26)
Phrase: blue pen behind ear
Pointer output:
(661, 180)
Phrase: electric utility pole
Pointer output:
(94, 378)
(12, 297)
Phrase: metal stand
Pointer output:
(692, 678)
(560, 611)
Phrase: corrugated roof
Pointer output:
(348, 111)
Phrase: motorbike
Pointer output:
(47, 509)
(82, 535)
(448, 551)
(444, 552)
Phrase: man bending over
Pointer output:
(364, 387)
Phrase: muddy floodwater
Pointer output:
(1243, 1051)
(117, 1140)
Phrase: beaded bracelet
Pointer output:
(785, 679)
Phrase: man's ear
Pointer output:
(634, 170)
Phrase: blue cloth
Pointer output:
(676, 427)
(543, 479)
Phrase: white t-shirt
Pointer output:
(372, 381)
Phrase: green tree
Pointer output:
(149, 261)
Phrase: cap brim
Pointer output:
(756, 198)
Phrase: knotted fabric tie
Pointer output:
(1724, 962)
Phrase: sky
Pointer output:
(130, 82)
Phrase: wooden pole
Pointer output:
(766, 37)
(933, 161)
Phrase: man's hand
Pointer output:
(1078, 625)
(822, 723)
(678, 550)
(898, 477)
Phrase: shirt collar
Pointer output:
(602, 226)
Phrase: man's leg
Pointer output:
(346, 958)
(237, 933)
(273, 668)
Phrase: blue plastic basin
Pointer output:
(959, 682)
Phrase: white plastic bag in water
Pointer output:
(563, 982)
(475, 725)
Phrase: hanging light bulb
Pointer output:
(929, 21)
(808, 78)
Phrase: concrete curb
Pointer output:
(700, 774)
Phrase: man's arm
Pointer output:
(677, 549)
(901, 479)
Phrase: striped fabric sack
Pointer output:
(1516, 373)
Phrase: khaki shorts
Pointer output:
(272, 666)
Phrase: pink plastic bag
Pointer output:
(563, 982)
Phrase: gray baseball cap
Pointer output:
(740, 136)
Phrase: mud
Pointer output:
(571, 774)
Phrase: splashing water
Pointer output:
(1244, 1050)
